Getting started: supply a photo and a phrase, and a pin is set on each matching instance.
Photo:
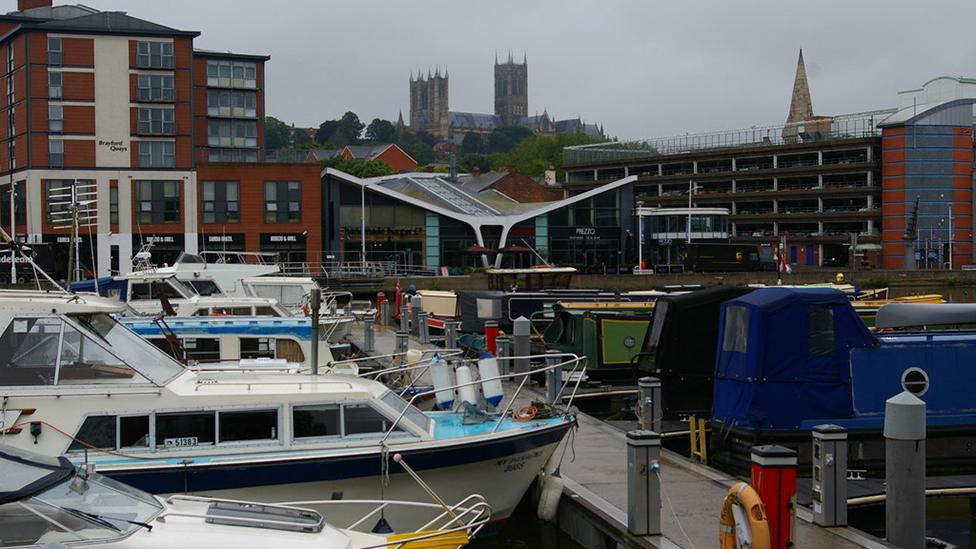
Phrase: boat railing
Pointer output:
(303, 380)
(574, 359)
(470, 514)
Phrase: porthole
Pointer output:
(629, 342)
(915, 381)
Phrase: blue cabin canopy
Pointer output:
(106, 286)
(784, 356)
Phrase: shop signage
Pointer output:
(236, 239)
(114, 146)
(664, 241)
(385, 231)
(285, 240)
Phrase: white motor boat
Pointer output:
(81, 384)
(48, 502)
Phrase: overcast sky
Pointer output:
(643, 67)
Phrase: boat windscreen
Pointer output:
(142, 355)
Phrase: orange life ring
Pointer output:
(744, 496)
(525, 413)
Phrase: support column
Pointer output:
(904, 433)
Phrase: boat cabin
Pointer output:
(608, 334)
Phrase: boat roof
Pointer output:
(539, 270)
(26, 473)
(904, 315)
(46, 302)
(606, 305)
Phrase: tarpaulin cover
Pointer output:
(784, 356)
(680, 346)
(26, 473)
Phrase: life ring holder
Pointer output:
(525, 413)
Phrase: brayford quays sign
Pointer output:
(114, 146)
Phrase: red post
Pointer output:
(774, 479)
(491, 337)
(380, 298)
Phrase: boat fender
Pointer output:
(488, 369)
(465, 379)
(549, 494)
(743, 519)
(442, 376)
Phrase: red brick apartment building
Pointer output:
(162, 142)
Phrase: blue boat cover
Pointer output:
(784, 355)
(104, 286)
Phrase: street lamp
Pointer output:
(640, 236)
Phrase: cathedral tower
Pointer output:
(429, 104)
(511, 90)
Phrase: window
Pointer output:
(257, 347)
(248, 425)
(231, 74)
(155, 87)
(232, 155)
(221, 202)
(113, 205)
(54, 85)
(316, 421)
(282, 202)
(55, 153)
(157, 154)
(204, 287)
(55, 54)
(821, 335)
(153, 291)
(185, 429)
(158, 202)
(232, 133)
(156, 121)
(361, 419)
(134, 432)
(55, 118)
(97, 431)
(736, 334)
(154, 55)
(203, 349)
(57, 197)
(238, 104)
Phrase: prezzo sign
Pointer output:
(585, 231)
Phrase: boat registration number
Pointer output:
(180, 441)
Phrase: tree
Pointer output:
(380, 130)
(277, 134)
(361, 167)
(472, 144)
(300, 137)
(350, 129)
(534, 155)
(469, 162)
(506, 138)
(326, 131)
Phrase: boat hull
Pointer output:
(501, 469)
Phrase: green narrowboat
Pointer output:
(610, 335)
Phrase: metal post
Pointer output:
(416, 306)
(904, 432)
(450, 334)
(385, 317)
(504, 344)
(774, 479)
(554, 377)
(369, 334)
(521, 329)
(643, 483)
(315, 305)
(830, 475)
(423, 329)
(402, 344)
(404, 319)
(649, 403)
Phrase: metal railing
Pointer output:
(470, 515)
(848, 126)
(575, 360)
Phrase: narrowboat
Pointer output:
(789, 359)
(609, 335)
(678, 348)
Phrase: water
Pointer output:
(950, 519)
(525, 531)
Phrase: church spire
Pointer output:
(801, 107)
(399, 123)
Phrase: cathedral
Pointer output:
(430, 111)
